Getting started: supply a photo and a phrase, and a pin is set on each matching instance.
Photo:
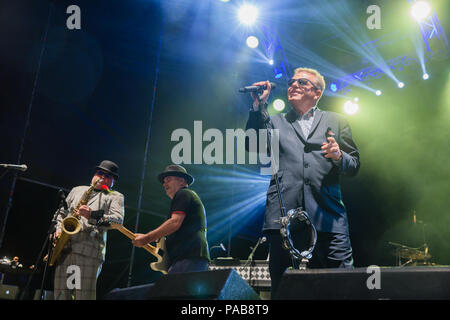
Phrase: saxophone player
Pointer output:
(80, 262)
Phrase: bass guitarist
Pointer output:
(185, 227)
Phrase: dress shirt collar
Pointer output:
(307, 115)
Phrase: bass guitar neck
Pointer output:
(161, 264)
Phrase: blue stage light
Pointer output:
(252, 42)
(278, 75)
(248, 14)
(333, 87)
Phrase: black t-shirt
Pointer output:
(189, 241)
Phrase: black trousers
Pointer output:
(332, 250)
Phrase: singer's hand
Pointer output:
(264, 95)
(84, 211)
(331, 149)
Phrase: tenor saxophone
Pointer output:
(70, 225)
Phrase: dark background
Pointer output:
(138, 69)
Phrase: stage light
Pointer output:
(278, 75)
(278, 105)
(356, 99)
(248, 14)
(420, 10)
(252, 42)
(224, 0)
(425, 76)
(271, 62)
(333, 87)
(400, 85)
(350, 107)
(378, 92)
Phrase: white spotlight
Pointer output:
(420, 10)
(271, 62)
(356, 99)
(252, 42)
(278, 105)
(378, 92)
(425, 76)
(400, 84)
(248, 14)
(350, 107)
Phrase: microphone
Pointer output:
(257, 88)
(22, 167)
(263, 239)
(222, 247)
(329, 133)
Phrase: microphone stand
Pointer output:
(4, 173)
(250, 260)
(265, 115)
(49, 245)
(250, 257)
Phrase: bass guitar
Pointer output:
(159, 251)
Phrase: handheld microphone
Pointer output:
(329, 133)
(257, 88)
(22, 167)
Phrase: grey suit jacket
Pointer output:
(91, 240)
(308, 179)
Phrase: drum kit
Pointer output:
(408, 256)
(413, 256)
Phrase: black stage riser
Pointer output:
(214, 285)
(390, 283)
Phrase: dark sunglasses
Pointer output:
(103, 173)
(301, 82)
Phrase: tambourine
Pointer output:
(293, 218)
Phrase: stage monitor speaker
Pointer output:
(214, 285)
(372, 283)
(8, 292)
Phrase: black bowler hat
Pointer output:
(176, 170)
(109, 167)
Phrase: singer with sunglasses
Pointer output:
(79, 265)
(316, 148)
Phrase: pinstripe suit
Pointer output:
(87, 247)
